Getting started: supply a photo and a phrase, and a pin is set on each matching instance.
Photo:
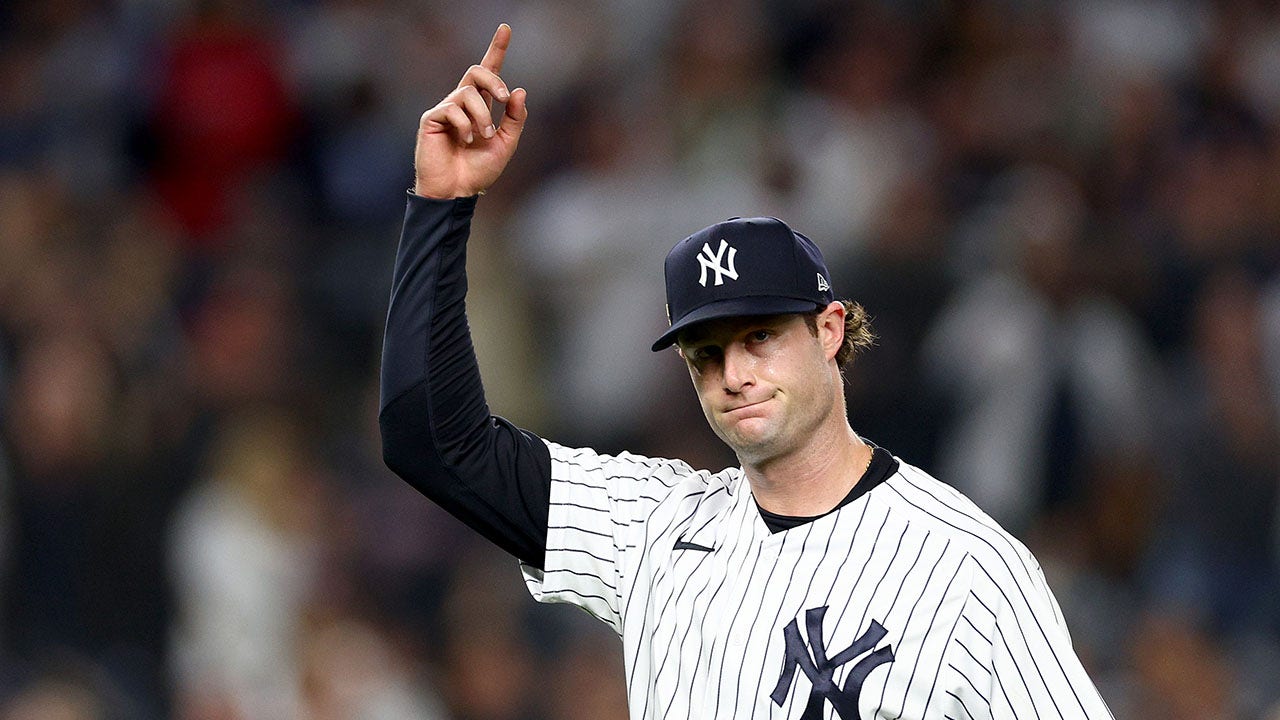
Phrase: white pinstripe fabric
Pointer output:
(974, 630)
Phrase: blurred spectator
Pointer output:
(1118, 41)
(243, 338)
(221, 111)
(487, 661)
(246, 556)
(1212, 560)
(902, 280)
(67, 688)
(360, 158)
(1181, 671)
(1043, 372)
(851, 138)
(58, 429)
(85, 70)
(589, 681)
(722, 104)
(350, 670)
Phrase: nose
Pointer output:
(739, 368)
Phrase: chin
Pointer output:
(753, 440)
(754, 449)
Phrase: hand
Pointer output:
(460, 152)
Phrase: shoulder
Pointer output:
(929, 503)
(625, 464)
(630, 474)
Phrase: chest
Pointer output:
(830, 619)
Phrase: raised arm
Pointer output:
(437, 431)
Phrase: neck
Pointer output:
(813, 479)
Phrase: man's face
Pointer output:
(765, 383)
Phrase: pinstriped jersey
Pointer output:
(907, 602)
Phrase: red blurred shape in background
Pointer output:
(222, 111)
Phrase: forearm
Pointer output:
(437, 431)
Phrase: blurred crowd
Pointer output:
(1064, 218)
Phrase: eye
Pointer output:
(761, 335)
(704, 353)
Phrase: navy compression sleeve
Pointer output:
(437, 432)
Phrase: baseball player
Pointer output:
(823, 578)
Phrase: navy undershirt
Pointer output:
(882, 466)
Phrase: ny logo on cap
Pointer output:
(709, 260)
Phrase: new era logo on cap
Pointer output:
(742, 266)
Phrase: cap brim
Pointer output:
(735, 307)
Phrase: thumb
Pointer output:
(517, 111)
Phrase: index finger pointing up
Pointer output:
(497, 51)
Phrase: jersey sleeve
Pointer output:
(600, 507)
(1013, 636)
(437, 430)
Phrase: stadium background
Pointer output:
(1064, 216)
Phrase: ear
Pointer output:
(830, 324)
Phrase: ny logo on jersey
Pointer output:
(821, 670)
(709, 260)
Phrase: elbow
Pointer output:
(409, 451)
(393, 452)
(406, 441)
(429, 458)
(413, 458)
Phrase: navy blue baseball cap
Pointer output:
(740, 267)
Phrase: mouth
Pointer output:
(746, 409)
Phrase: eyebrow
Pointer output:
(698, 333)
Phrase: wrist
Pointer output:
(432, 194)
